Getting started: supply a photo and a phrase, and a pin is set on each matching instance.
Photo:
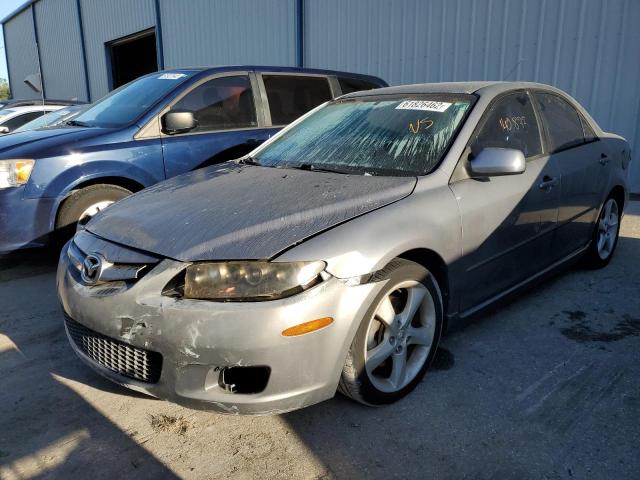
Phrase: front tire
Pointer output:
(605, 235)
(398, 337)
(79, 207)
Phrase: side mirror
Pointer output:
(178, 121)
(493, 162)
(4, 130)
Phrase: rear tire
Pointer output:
(397, 338)
(605, 235)
(79, 207)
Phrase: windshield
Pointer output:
(49, 119)
(6, 112)
(129, 102)
(372, 135)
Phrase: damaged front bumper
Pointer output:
(201, 341)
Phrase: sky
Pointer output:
(6, 7)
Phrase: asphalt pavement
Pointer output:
(546, 386)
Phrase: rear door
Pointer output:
(226, 107)
(507, 221)
(584, 169)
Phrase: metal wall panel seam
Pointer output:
(485, 70)
(543, 9)
(35, 35)
(617, 73)
(556, 60)
(6, 57)
(520, 59)
(576, 58)
(159, 46)
(299, 33)
(87, 83)
(596, 80)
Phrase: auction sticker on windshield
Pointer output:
(429, 106)
(171, 76)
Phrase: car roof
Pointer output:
(479, 88)
(273, 68)
(32, 108)
(20, 103)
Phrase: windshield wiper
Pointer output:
(315, 168)
(77, 123)
(249, 161)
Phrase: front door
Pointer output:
(584, 171)
(227, 125)
(507, 222)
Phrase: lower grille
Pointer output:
(119, 357)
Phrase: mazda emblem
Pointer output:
(91, 269)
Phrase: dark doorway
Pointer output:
(132, 57)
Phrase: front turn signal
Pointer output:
(307, 327)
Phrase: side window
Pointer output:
(221, 104)
(563, 125)
(511, 123)
(20, 120)
(348, 85)
(291, 96)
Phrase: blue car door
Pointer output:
(229, 120)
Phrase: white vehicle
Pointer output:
(14, 117)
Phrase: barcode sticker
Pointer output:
(426, 105)
(171, 76)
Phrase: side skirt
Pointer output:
(521, 285)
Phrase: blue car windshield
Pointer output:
(128, 103)
(378, 135)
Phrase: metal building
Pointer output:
(589, 48)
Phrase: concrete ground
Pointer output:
(547, 386)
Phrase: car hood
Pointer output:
(31, 142)
(241, 212)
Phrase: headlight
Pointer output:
(15, 172)
(250, 281)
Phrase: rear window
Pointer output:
(348, 85)
(564, 127)
(398, 136)
(291, 96)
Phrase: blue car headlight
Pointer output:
(14, 173)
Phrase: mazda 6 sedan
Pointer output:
(333, 256)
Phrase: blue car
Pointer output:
(151, 129)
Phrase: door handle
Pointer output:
(548, 183)
(604, 159)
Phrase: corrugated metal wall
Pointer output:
(22, 57)
(60, 49)
(589, 48)
(218, 32)
(105, 21)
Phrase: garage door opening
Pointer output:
(132, 57)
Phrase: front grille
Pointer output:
(119, 357)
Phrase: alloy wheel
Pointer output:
(400, 336)
(91, 211)
(608, 229)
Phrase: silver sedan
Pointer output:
(334, 255)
